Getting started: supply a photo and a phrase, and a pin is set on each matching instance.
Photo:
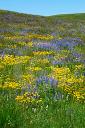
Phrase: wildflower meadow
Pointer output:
(42, 71)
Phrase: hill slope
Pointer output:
(65, 25)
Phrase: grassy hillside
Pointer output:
(78, 16)
(62, 25)
(42, 71)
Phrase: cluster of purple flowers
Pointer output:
(68, 43)
(46, 80)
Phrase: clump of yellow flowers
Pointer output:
(31, 36)
(34, 68)
(64, 75)
(67, 81)
(10, 85)
(78, 95)
(42, 37)
(42, 53)
(28, 78)
(11, 60)
(29, 44)
(29, 97)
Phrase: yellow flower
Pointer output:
(79, 66)
(29, 98)
(28, 78)
(20, 98)
(35, 68)
(42, 37)
(60, 72)
(29, 44)
(42, 53)
(12, 85)
(22, 43)
(77, 95)
(73, 79)
(11, 60)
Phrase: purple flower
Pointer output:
(53, 82)
(47, 80)
(56, 62)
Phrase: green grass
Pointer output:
(59, 114)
